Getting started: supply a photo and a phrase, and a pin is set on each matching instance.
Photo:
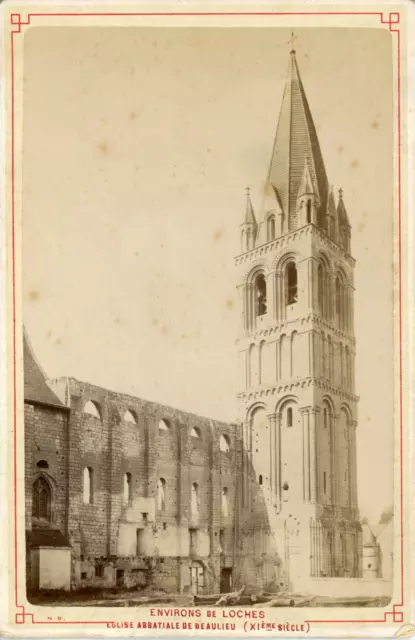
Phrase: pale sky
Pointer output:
(138, 146)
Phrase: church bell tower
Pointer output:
(296, 355)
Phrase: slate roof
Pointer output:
(36, 389)
(295, 142)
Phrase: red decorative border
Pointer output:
(16, 20)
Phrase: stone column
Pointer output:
(332, 279)
(278, 460)
(280, 296)
(247, 463)
(242, 306)
(270, 296)
(352, 370)
(215, 508)
(183, 515)
(351, 301)
(353, 470)
(277, 360)
(313, 457)
(272, 457)
(250, 307)
(311, 350)
(332, 459)
(306, 454)
(277, 301)
(310, 288)
(336, 496)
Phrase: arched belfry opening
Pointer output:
(261, 294)
(291, 283)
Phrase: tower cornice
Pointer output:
(278, 389)
(286, 240)
(312, 321)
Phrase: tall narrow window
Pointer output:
(321, 283)
(291, 283)
(271, 228)
(329, 344)
(324, 482)
(339, 305)
(323, 356)
(347, 367)
(325, 417)
(225, 510)
(260, 480)
(88, 486)
(128, 489)
(194, 500)
(289, 417)
(261, 295)
(41, 501)
(308, 211)
(161, 494)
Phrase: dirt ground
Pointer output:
(89, 597)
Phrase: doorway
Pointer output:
(226, 580)
(197, 579)
(120, 577)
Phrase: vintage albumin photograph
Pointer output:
(207, 270)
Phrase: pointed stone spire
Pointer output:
(249, 227)
(331, 216)
(342, 216)
(296, 138)
(249, 212)
(344, 224)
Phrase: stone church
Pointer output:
(122, 491)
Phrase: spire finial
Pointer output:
(340, 193)
(248, 191)
(291, 41)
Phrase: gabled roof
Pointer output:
(36, 389)
(306, 184)
(295, 140)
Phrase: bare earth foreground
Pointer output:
(89, 597)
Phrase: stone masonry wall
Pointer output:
(113, 541)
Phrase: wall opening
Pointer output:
(261, 294)
(291, 283)
(161, 494)
(128, 489)
(88, 488)
(140, 542)
(41, 499)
